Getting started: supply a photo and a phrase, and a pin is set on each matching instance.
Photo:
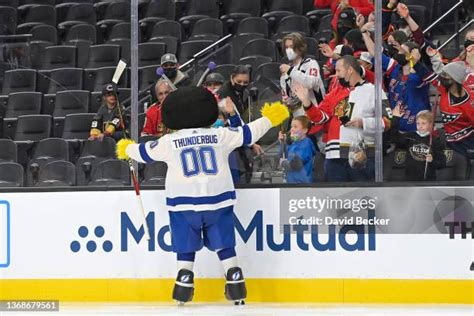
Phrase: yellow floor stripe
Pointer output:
(260, 290)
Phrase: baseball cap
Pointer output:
(168, 58)
(214, 77)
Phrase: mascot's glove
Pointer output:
(121, 148)
(276, 113)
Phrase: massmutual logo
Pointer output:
(90, 244)
(4, 234)
(258, 233)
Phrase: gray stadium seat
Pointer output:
(33, 127)
(92, 154)
(19, 80)
(57, 173)
(253, 25)
(23, 103)
(9, 151)
(111, 172)
(64, 79)
(71, 101)
(59, 57)
(238, 43)
(155, 173)
(46, 151)
(7, 20)
(82, 32)
(260, 47)
(11, 175)
(77, 126)
(96, 78)
(105, 55)
(150, 53)
(189, 48)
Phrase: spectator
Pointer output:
(214, 82)
(236, 89)
(350, 111)
(109, 119)
(233, 94)
(424, 147)
(346, 21)
(407, 87)
(302, 70)
(455, 104)
(467, 55)
(153, 125)
(364, 7)
(298, 164)
(170, 66)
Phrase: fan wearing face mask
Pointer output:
(407, 87)
(170, 66)
(301, 70)
(364, 7)
(235, 92)
(456, 103)
(350, 114)
(424, 147)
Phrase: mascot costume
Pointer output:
(200, 194)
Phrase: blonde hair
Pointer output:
(425, 115)
(299, 43)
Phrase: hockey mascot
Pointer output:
(200, 194)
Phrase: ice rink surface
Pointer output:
(201, 309)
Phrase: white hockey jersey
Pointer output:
(198, 177)
(307, 73)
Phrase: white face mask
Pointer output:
(290, 53)
(423, 134)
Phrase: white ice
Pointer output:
(202, 309)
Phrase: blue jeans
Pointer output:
(339, 170)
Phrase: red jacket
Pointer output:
(458, 118)
(325, 112)
(153, 125)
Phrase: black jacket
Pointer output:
(239, 98)
(417, 148)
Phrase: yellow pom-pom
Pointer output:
(121, 147)
(275, 112)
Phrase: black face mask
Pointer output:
(468, 43)
(445, 82)
(240, 88)
(345, 83)
(170, 72)
(342, 30)
(346, 50)
(392, 51)
(401, 59)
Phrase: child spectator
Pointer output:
(423, 158)
(298, 164)
(109, 118)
